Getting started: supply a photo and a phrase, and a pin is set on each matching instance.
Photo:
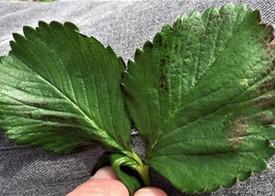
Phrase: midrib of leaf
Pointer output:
(106, 137)
(84, 84)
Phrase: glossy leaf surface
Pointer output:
(202, 95)
(61, 90)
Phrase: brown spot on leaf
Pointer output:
(265, 102)
(40, 104)
(58, 118)
(267, 119)
(258, 15)
(269, 70)
(270, 47)
(237, 129)
(269, 31)
(163, 77)
(267, 85)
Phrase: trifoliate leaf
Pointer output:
(203, 96)
(61, 90)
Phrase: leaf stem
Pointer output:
(144, 174)
(142, 169)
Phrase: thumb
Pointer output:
(150, 191)
(103, 183)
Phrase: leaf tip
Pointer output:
(96, 41)
(18, 37)
(27, 30)
(42, 24)
(12, 45)
(55, 24)
(111, 51)
(71, 25)
(138, 53)
(157, 39)
(148, 45)
(121, 61)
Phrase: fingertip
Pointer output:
(150, 191)
(106, 172)
(100, 187)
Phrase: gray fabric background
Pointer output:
(125, 25)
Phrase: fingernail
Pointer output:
(150, 192)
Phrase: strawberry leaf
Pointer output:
(60, 90)
(203, 96)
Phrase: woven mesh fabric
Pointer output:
(124, 25)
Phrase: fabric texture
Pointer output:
(125, 26)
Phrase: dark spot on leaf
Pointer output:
(58, 118)
(258, 15)
(265, 102)
(237, 129)
(163, 77)
(267, 119)
(272, 67)
(269, 36)
(267, 86)
(41, 104)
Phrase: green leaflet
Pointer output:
(202, 95)
(60, 90)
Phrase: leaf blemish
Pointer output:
(163, 78)
(238, 129)
(267, 119)
(57, 118)
(267, 86)
(265, 102)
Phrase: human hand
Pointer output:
(106, 183)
